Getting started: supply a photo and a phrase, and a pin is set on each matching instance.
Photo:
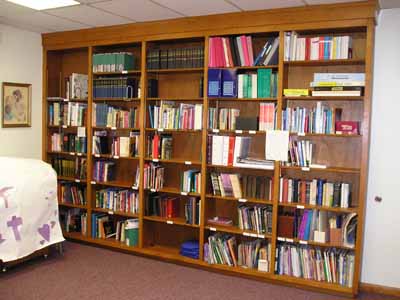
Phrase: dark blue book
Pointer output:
(320, 191)
(214, 83)
(229, 83)
(308, 225)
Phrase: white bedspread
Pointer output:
(28, 207)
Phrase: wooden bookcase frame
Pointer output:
(340, 17)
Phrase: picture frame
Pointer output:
(16, 105)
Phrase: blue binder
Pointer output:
(214, 82)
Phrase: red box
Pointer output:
(346, 127)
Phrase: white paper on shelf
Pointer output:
(81, 131)
(277, 145)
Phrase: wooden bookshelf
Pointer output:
(345, 156)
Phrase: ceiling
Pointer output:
(96, 13)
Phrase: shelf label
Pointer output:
(305, 169)
(160, 129)
(242, 200)
(300, 206)
(246, 234)
(281, 239)
(64, 126)
(303, 242)
(77, 180)
(253, 235)
(289, 240)
(261, 236)
(170, 222)
(79, 154)
(188, 162)
(252, 132)
(124, 72)
(155, 160)
(97, 155)
(72, 153)
(152, 190)
(93, 182)
(215, 130)
(184, 193)
(110, 212)
(301, 134)
(66, 100)
(318, 166)
(113, 128)
(135, 187)
(238, 131)
(213, 229)
(116, 157)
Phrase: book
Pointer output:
(117, 199)
(71, 193)
(295, 92)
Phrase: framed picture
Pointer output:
(16, 105)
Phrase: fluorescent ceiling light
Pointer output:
(44, 4)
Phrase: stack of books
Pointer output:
(329, 265)
(104, 171)
(223, 118)
(120, 87)
(315, 192)
(221, 249)
(226, 185)
(255, 255)
(68, 114)
(192, 211)
(172, 115)
(76, 86)
(317, 48)
(153, 176)
(159, 146)
(338, 84)
(105, 115)
(255, 218)
(163, 206)
(175, 58)
(75, 168)
(113, 62)
(118, 199)
(71, 193)
(191, 181)
(300, 153)
(190, 249)
(62, 142)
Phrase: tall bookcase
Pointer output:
(345, 158)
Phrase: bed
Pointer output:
(29, 220)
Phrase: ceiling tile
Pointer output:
(91, 1)
(198, 8)
(138, 10)
(21, 25)
(266, 4)
(389, 3)
(8, 9)
(314, 2)
(88, 15)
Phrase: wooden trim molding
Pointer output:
(379, 289)
(288, 18)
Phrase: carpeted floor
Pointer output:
(86, 272)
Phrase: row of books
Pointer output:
(172, 115)
(116, 87)
(191, 181)
(122, 146)
(105, 115)
(192, 211)
(73, 220)
(113, 62)
(69, 114)
(222, 118)
(159, 146)
(315, 192)
(74, 168)
(223, 249)
(255, 218)
(316, 48)
(104, 170)
(233, 151)
(228, 83)
(338, 84)
(76, 86)
(330, 265)
(153, 176)
(118, 199)
(300, 153)
(319, 119)
(175, 58)
(62, 142)
(71, 193)
(238, 51)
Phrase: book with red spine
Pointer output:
(231, 150)
(243, 43)
(250, 49)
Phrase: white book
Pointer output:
(253, 85)
(124, 146)
(240, 85)
(314, 48)
(198, 116)
(236, 152)
(225, 150)
(281, 189)
(287, 46)
(290, 190)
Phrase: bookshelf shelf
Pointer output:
(240, 200)
(181, 70)
(346, 156)
(72, 205)
(116, 212)
(325, 245)
(236, 230)
(116, 99)
(319, 207)
(170, 221)
(325, 98)
(327, 169)
(329, 62)
(174, 161)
